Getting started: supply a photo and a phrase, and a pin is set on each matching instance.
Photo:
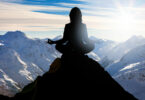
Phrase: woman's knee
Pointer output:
(61, 48)
(57, 46)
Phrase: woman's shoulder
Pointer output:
(69, 24)
(83, 24)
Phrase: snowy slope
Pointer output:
(94, 56)
(133, 56)
(132, 78)
(102, 47)
(118, 51)
(22, 60)
(129, 71)
(7, 85)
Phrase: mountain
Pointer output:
(133, 56)
(94, 56)
(22, 60)
(117, 52)
(102, 46)
(129, 71)
(75, 76)
(7, 85)
(125, 62)
(132, 79)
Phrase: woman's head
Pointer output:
(75, 15)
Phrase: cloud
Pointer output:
(17, 17)
(73, 5)
(11, 0)
(97, 16)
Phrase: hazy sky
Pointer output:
(109, 19)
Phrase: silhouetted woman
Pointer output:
(75, 38)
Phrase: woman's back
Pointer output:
(75, 33)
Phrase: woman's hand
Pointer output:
(50, 41)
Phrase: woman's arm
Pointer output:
(61, 40)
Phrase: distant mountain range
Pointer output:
(23, 59)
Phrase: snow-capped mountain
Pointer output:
(117, 52)
(129, 71)
(7, 85)
(132, 79)
(22, 60)
(133, 56)
(102, 47)
(126, 63)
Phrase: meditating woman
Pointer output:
(75, 38)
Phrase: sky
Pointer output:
(115, 20)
